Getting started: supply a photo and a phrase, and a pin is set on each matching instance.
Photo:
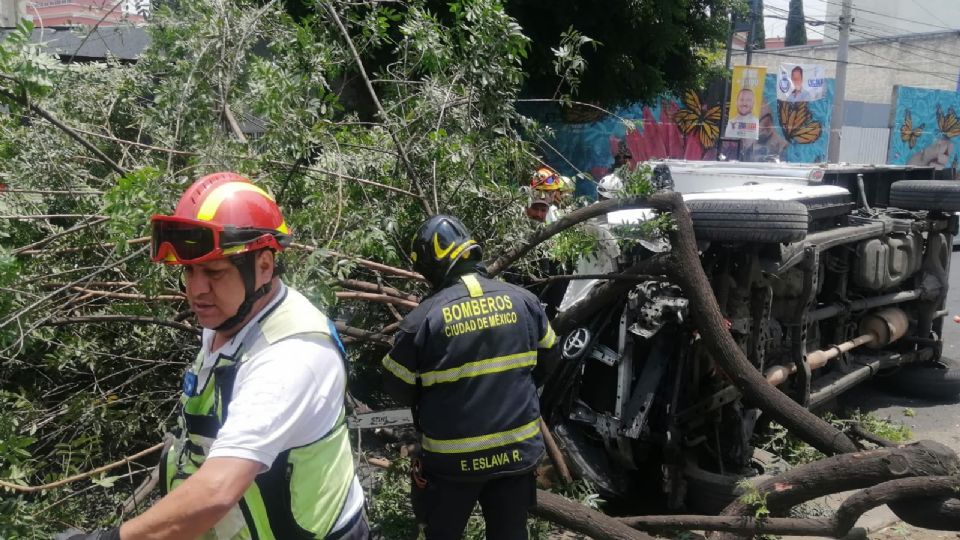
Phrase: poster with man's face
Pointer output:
(800, 82)
(746, 98)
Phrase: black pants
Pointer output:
(444, 506)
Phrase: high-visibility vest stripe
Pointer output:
(548, 339)
(482, 442)
(399, 370)
(480, 367)
(473, 285)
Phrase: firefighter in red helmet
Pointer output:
(262, 448)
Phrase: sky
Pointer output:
(812, 9)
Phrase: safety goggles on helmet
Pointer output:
(177, 240)
(546, 180)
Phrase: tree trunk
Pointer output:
(706, 315)
(579, 518)
(849, 471)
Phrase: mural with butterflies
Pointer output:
(686, 127)
(925, 127)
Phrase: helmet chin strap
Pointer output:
(245, 264)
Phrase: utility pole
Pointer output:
(752, 34)
(840, 84)
(726, 83)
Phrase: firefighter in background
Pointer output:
(469, 360)
(548, 189)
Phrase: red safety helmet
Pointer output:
(219, 216)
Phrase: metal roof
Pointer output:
(84, 44)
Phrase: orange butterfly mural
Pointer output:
(908, 133)
(697, 119)
(797, 122)
(948, 124)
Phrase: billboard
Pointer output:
(800, 82)
(746, 100)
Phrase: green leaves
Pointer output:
(26, 68)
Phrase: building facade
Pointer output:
(58, 13)
(885, 18)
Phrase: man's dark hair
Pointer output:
(796, 69)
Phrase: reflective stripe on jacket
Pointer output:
(304, 492)
(468, 351)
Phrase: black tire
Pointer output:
(709, 492)
(942, 195)
(939, 514)
(938, 380)
(749, 221)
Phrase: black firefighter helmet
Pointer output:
(441, 242)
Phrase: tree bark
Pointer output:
(850, 471)
(579, 518)
(897, 490)
(836, 526)
(706, 316)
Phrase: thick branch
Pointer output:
(744, 525)
(368, 286)
(130, 296)
(27, 309)
(66, 129)
(845, 472)
(706, 315)
(380, 298)
(379, 267)
(40, 243)
(123, 318)
(894, 490)
(567, 221)
(414, 177)
(81, 476)
(555, 454)
(364, 335)
(579, 518)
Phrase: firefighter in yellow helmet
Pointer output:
(469, 359)
(548, 189)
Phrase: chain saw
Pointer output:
(380, 419)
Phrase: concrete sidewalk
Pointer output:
(869, 523)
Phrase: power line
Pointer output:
(917, 47)
(870, 53)
(897, 18)
(876, 66)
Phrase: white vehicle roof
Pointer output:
(767, 192)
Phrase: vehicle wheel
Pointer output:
(943, 195)
(940, 514)
(749, 221)
(938, 380)
(709, 492)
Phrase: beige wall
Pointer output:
(11, 11)
(931, 61)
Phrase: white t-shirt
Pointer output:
(288, 395)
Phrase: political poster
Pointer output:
(746, 99)
(800, 82)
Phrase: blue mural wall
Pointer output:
(925, 127)
(685, 127)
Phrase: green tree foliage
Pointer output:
(93, 337)
(637, 49)
(645, 47)
(796, 25)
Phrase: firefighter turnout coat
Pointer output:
(464, 359)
